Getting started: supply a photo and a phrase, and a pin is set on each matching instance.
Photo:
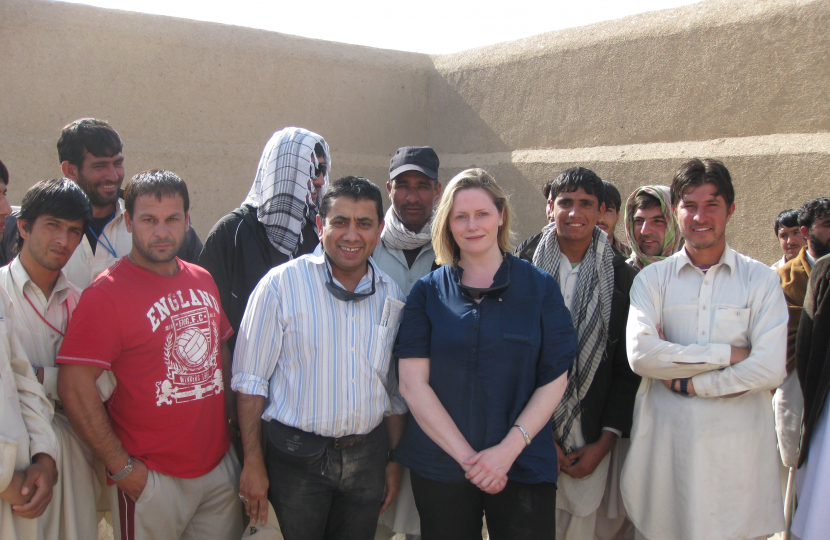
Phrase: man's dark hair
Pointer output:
(696, 172)
(787, 218)
(155, 182)
(645, 200)
(60, 198)
(355, 187)
(546, 188)
(573, 179)
(4, 174)
(813, 210)
(612, 196)
(87, 134)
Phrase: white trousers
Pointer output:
(17, 528)
(72, 512)
(173, 508)
(639, 536)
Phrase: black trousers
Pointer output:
(453, 511)
(336, 496)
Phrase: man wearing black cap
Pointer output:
(405, 250)
(405, 254)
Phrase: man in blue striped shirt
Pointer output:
(313, 359)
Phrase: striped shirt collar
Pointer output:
(319, 259)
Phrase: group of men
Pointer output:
(260, 378)
(804, 235)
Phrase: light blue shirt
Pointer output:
(393, 262)
(324, 365)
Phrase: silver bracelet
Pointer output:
(524, 433)
(128, 468)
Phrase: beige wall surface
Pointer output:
(741, 80)
(197, 98)
(745, 81)
(722, 68)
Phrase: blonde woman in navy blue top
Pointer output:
(485, 346)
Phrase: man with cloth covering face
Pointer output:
(650, 226)
(274, 224)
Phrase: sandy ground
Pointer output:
(104, 530)
(105, 533)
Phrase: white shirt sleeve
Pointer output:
(50, 381)
(653, 357)
(765, 367)
(36, 410)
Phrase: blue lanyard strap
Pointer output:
(108, 245)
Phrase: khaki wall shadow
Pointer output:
(715, 69)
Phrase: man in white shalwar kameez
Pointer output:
(28, 448)
(51, 223)
(707, 332)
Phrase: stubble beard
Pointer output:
(155, 257)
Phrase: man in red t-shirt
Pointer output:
(155, 321)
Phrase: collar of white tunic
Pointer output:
(727, 258)
(24, 284)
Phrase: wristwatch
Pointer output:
(128, 468)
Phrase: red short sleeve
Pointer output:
(93, 337)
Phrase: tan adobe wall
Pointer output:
(197, 98)
(745, 81)
(742, 80)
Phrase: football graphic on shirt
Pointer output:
(190, 351)
(192, 347)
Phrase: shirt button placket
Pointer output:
(474, 336)
(352, 359)
(703, 318)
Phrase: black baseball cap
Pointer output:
(414, 158)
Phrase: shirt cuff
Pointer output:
(722, 354)
(616, 432)
(37, 447)
(249, 384)
(50, 382)
(397, 405)
(705, 386)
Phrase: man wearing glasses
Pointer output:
(313, 359)
(275, 223)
